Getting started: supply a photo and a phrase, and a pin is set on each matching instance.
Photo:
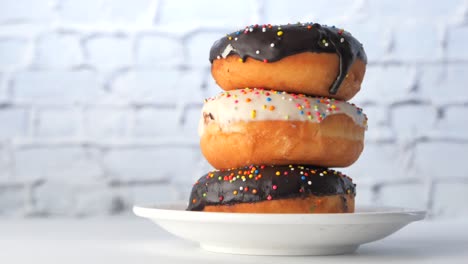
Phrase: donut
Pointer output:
(274, 189)
(303, 58)
(258, 126)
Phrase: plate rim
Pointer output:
(161, 212)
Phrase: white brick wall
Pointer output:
(12, 51)
(99, 100)
(58, 50)
(108, 52)
(169, 52)
(59, 86)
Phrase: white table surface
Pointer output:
(131, 240)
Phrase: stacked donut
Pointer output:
(282, 121)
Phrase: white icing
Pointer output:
(252, 105)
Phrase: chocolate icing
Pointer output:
(269, 43)
(259, 183)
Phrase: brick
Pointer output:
(157, 122)
(16, 120)
(304, 11)
(46, 202)
(22, 30)
(364, 194)
(25, 10)
(191, 120)
(5, 164)
(211, 88)
(453, 91)
(456, 43)
(3, 90)
(99, 200)
(440, 159)
(105, 123)
(409, 38)
(413, 120)
(165, 86)
(159, 50)
(380, 134)
(58, 122)
(50, 86)
(58, 50)
(164, 163)
(12, 200)
(109, 51)
(75, 199)
(190, 86)
(381, 162)
(385, 84)
(450, 200)
(202, 167)
(12, 52)
(70, 164)
(454, 122)
(206, 13)
(149, 194)
(373, 38)
(434, 10)
(377, 116)
(409, 195)
(378, 123)
(107, 12)
(198, 46)
(433, 78)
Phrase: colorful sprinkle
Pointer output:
(293, 106)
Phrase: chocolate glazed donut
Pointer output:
(257, 185)
(269, 43)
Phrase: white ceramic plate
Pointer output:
(280, 234)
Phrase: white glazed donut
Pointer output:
(257, 126)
